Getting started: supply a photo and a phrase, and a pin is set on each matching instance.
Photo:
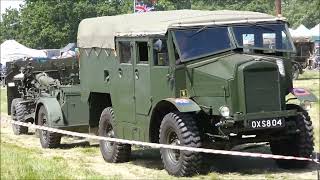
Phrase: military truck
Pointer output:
(212, 79)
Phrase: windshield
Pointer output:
(195, 43)
(200, 42)
(267, 37)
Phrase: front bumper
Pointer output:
(264, 115)
(241, 121)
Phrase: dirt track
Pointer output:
(147, 164)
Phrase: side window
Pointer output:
(160, 52)
(269, 40)
(142, 52)
(286, 43)
(125, 52)
(247, 41)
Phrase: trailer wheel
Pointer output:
(300, 145)
(47, 139)
(180, 129)
(111, 151)
(17, 114)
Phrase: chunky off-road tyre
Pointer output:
(47, 139)
(300, 144)
(17, 114)
(111, 151)
(180, 129)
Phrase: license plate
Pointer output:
(266, 123)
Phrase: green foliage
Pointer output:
(54, 23)
(9, 27)
(297, 11)
(27, 163)
(302, 12)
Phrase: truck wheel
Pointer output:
(47, 139)
(17, 114)
(300, 144)
(111, 151)
(180, 129)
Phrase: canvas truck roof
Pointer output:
(101, 31)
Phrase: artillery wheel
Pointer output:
(180, 129)
(17, 114)
(111, 151)
(300, 144)
(47, 139)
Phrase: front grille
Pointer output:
(262, 90)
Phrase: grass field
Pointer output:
(310, 80)
(25, 163)
(23, 158)
(3, 98)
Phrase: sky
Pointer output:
(10, 3)
(5, 4)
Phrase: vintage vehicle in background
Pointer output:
(301, 59)
(211, 79)
(314, 60)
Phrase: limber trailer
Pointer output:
(212, 79)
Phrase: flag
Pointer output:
(141, 6)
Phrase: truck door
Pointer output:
(142, 78)
(123, 96)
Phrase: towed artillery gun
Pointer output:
(212, 79)
(31, 88)
(29, 83)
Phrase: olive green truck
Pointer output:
(211, 79)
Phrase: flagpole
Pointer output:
(134, 6)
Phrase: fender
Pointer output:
(304, 95)
(184, 104)
(55, 116)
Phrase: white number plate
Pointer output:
(266, 123)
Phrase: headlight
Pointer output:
(306, 105)
(224, 111)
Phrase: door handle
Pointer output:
(136, 72)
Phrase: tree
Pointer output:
(302, 12)
(297, 11)
(10, 25)
(54, 23)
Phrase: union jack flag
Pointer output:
(141, 7)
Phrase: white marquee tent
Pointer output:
(12, 50)
(301, 31)
(315, 31)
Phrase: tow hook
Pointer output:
(225, 123)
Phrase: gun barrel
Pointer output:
(45, 80)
